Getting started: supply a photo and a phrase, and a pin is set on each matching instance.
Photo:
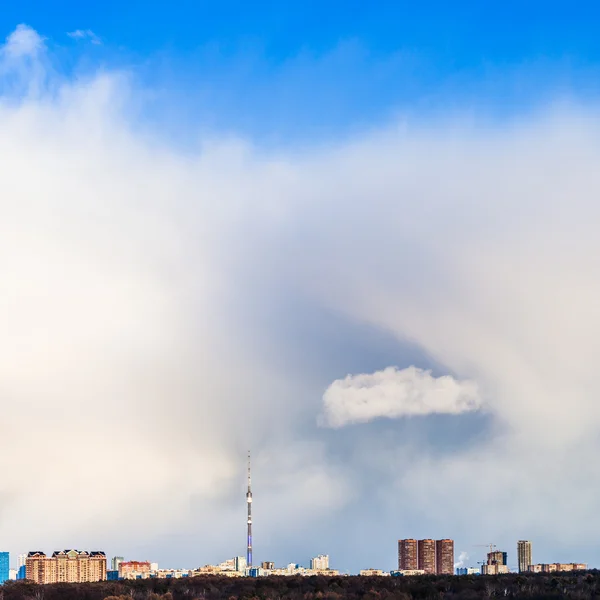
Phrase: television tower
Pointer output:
(249, 502)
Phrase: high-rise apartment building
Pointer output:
(524, 555)
(497, 558)
(407, 555)
(444, 557)
(240, 563)
(115, 561)
(320, 563)
(426, 556)
(65, 566)
(35, 567)
(429, 556)
(4, 567)
(21, 564)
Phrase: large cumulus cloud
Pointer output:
(149, 297)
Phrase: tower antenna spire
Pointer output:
(249, 503)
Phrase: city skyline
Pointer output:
(414, 556)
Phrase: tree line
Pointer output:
(579, 586)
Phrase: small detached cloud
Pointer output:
(394, 393)
(82, 34)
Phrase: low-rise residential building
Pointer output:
(232, 567)
(467, 571)
(134, 569)
(373, 573)
(170, 573)
(549, 568)
(227, 565)
(534, 569)
(495, 569)
(557, 567)
(268, 568)
(294, 569)
(232, 573)
(407, 572)
(209, 570)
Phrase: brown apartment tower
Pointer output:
(407, 555)
(426, 556)
(444, 557)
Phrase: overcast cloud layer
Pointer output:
(163, 312)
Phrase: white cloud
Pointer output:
(24, 69)
(80, 34)
(396, 393)
(23, 42)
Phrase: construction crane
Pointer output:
(491, 548)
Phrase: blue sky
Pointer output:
(309, 70)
